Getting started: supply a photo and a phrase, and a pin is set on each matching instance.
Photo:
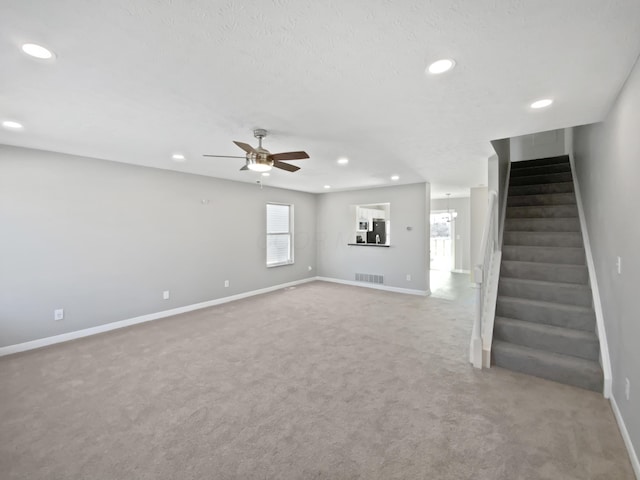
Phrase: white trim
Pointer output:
(625, 435)
(505, 200)
(597, 305)
(65, 337)
(459, 270)
(407, 291)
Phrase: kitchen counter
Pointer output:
(367, 245)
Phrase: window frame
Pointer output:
(290, 234)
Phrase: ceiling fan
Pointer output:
(261, 160)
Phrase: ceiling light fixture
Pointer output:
(259, 167)
(441, 66)
(327, 186)
(178, 157)
(545, 102)
(37, 51)
(395, 177)
(343, 161)
(12, 125)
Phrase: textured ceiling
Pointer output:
(135, 81)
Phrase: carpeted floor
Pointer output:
(322, 381)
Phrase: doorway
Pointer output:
(442, 242)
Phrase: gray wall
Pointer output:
(103, 240)
(408, 253)
(537, 145)
(607, 162)
(462, 228)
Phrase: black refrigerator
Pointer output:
(378, 233)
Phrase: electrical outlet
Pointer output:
(627, 388)
(619, 265)
(58, 314)
(165, 294)
(408, 277)
(226, 283)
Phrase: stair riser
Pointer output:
(546, 293)
(546, 272)
(542, 225)
(549, 342)
(565, 256)
(541, 170)
(547, 314)
(563, 159)
(548, 211)
(532, 366)
(541, 200)
(541, 179)
(566, 187)
(543, 239)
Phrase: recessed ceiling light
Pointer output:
(11, 125)
(327, 186)
(37, 51)
(545, 102)
(178, 157)
(265, 174)
(343, 161)
(395, 177)
(441, 66)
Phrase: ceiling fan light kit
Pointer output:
(261, 160)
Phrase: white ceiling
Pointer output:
(135, 81)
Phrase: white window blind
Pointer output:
(279, 238)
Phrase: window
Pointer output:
(279, 234)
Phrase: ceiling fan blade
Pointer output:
(223, 156)
(289, 156)
(285, 166)
(246, 147)
(244, 168)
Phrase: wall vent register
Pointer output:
(369, 278)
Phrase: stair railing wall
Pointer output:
(605, 360)
(485, 278)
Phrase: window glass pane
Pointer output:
(278, 248)
(277, 218)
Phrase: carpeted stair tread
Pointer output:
(560, 159)
(541, 169)
(549, 313)
(560, 187)
(547, 254)
(541, 179)
(570, 224)
(565, 369)
(550, 338)
(541, 199)
(543, 239)
(542, 211)
(551, 272)
(547, 291)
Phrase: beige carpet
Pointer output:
(323, 381)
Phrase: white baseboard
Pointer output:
(407, 291)
(65, 337)
(459, 270)
(605, 361)
(625, 435)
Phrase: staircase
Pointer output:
(545, 324)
